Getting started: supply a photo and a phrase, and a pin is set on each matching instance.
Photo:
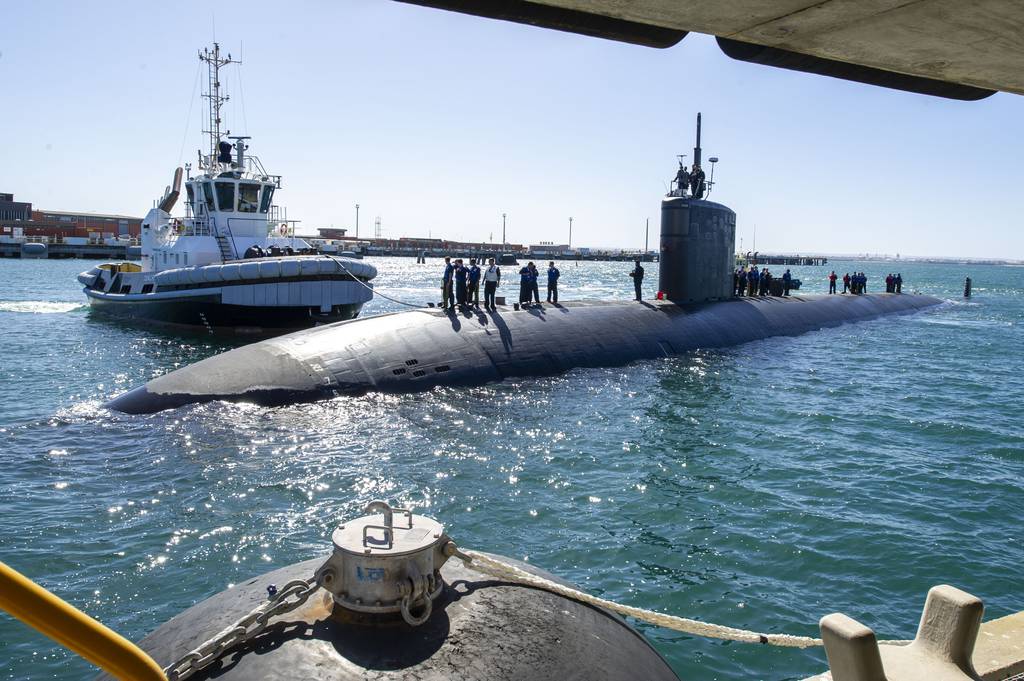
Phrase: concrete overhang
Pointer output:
(949, 48)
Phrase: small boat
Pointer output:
(232, 264)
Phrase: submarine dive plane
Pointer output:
(418, 350)
(233, 263)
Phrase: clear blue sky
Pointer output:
(440, 122)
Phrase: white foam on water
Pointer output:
(37, 306)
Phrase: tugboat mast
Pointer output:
(214, 64)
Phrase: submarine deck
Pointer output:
(417, 350)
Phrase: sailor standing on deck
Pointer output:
(553, 275)
(460, 283)
(752, 279)
(638, 278)
(446, 284)
(832, 282)
(524, 285)
(492, 278)
(787, 280)
(697, 182)
(534, 275)
(474, 283)
(682, 180)
(899, 283)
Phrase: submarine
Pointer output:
(421, 349)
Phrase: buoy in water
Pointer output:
(392, 606)
(33, 250)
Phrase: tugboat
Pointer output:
(231, 264)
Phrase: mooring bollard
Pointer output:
(941, 651)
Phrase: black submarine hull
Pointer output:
(418, 350)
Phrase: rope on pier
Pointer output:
(511, 573)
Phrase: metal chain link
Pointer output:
(245, 629)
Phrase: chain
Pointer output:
(290, 597)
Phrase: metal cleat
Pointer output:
(941, 651)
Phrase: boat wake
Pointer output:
(37, 306)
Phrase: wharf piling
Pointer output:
(58, 250)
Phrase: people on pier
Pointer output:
(787, 279)
(447, 299)
(832, 283)
(492, 279)
(638, 278)
(473, 293)
(461, 275)
(553, 275)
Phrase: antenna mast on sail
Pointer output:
(214, 63)
(696, 149)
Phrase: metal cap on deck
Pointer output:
(385, 534)
(386, 562)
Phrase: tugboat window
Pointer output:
(248, 197)
(226, 196)
(268, 196)
(208, 193)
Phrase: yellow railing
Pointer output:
(73, 629)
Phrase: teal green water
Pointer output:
(761, 486)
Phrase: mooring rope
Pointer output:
(512, 573)
(367, 286)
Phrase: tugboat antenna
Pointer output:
(214, 63)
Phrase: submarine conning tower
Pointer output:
(698, 238)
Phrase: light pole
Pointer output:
(570, 232)
(357, 220)
(503, 242)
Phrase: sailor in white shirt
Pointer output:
(492, 279)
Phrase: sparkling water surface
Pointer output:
(761, 486)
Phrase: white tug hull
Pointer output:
(256, 297)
